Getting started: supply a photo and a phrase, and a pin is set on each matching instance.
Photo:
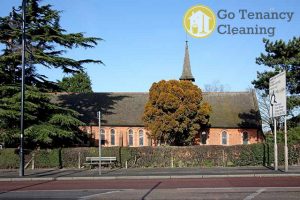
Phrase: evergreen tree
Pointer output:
(79, 82)
(280, 56)
(46, 124)
(175, 112)
(46, 42)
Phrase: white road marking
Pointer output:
(251, 196)
(205, 188)
(98, 194)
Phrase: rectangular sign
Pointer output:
(277, 92)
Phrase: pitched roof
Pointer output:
(233, 109)
(186, 71)
(117, 109)
(230, 109)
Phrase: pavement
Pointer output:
(146, 173)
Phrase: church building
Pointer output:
(235, 118)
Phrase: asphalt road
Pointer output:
(212, 188)
(216, 171)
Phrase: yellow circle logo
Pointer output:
(199, 21)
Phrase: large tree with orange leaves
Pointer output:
(175, 112)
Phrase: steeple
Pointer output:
(186, 72)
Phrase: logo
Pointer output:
(199, 21)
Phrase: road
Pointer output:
(211, 188)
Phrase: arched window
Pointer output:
(141, 137)
(130, 137)
(112, 137)
(102, 131)
(203, 137)
(245, 138)
(224, 137)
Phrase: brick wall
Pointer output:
(214, 136)
(121, 135)
(234, 136)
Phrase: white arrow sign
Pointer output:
(277, 92)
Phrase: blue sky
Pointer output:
(144, 41)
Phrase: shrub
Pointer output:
(9, 158)
(47, 158)
(164, 156)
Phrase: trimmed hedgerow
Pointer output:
(47, 158)
(164, 156)
(9, 158)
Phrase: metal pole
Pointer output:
(275, 146)
(21, 170)
(99, 123)
(275, 133)
(286, 150)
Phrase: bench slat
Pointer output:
(96, 159)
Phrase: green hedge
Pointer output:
(192, 156)
(9, 159)
(47, 158)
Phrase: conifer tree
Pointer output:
(79, 82)
(175, 112)
(280, 56)
(46, 43)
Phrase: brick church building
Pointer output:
(234, 120)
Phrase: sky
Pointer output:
(144, 41)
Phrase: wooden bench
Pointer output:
(104, 160)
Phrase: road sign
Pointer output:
(277, 92)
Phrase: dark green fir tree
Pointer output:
(79, 82)
(46, 124)
(281, 56)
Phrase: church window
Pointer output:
(224, 138)
(130, 137)
(141, 137)
(112, 136)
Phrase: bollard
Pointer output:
(79, 160)
(223, 158)
(32, 162)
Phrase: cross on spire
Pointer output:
(186, 72)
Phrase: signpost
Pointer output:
(277, 91)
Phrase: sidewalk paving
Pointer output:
(145, 173)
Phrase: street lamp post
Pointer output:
(21, 152)
(21, 173)
(100, 141)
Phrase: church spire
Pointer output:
(186, 72)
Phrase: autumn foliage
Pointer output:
(175, 112)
